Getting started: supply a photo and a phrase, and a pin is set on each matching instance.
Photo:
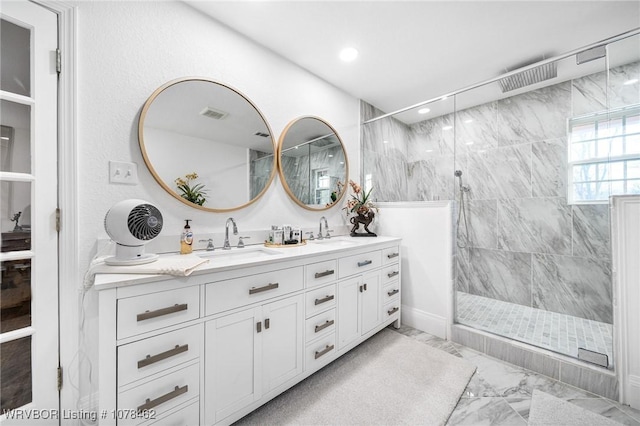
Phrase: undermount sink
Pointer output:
(239, 253)
(336, 241)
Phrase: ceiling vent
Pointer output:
(528, 77)
(264, 135)
(213, 113)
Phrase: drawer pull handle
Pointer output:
(393, 274)
(149, 404)
(365, 286)
(321, 327)
(324, 299)
(365, 263)
(392, 255)
(393, 311)
(267, 324)
(267, 287)
(325, 273)
(326, 350)
(259, 327)
(392, 292)
(164, 311)
(163, 355)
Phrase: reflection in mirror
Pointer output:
(207, 144)
(313, 166)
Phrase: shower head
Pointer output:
(457, 173)
(528, 77)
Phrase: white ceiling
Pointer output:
(412, 51)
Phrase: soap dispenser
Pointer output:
(186, 239)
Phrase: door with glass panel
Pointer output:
(28, 206)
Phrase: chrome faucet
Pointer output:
(209, 242)
(326, 229)
(226, 245)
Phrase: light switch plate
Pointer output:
(122, 172)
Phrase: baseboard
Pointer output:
(424, 321)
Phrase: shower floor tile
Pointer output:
(549, 330)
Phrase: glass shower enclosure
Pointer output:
(529, 161)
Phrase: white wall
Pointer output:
(427, 279)
(125, 51)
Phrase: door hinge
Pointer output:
(57, 220)
(59, 379)
(58, 61)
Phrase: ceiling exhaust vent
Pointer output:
(528, 77)
(264, 135)
(213, 113)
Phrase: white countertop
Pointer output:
(255, 255)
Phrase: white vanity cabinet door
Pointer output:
(250, 353)
(348, 311)
(232, 354)
(282, 341)
(371, 302)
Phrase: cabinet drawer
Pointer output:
(359, 263)
(391, 310)
(234, 293)
(187, 416)
(320, 300)
(162, 394)
(320, 353)
(391, 292)
(149, 356)
(150, 312)
(390, 273)
(391, 255)
(320, 325)
(321, 273)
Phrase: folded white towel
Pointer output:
(178, 265)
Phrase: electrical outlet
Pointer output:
(121, 172)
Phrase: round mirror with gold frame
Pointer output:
(312, 163)
(207, 144)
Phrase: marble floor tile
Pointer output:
(499, 393)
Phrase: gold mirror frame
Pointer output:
(144, 145)
(292, 129)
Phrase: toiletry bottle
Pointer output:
(186, 239)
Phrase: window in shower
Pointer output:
(604, 155)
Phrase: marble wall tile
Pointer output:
(591, 93)
(430, 179)
(549, 168)
(482, 222)
(500, 173)
(388, 175)
(534, 116)
(432, 137)
(476, 128)
(573, 285)
(541, 225)
(461, 277)
(593, 381)
(591, 233)
(500, 275)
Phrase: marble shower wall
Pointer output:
(524, 243)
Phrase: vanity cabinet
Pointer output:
(212, 347)
(250, 353)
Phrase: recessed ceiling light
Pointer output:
(424, 111)
(348, 54)
(630, 82)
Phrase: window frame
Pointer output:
(596, 119)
